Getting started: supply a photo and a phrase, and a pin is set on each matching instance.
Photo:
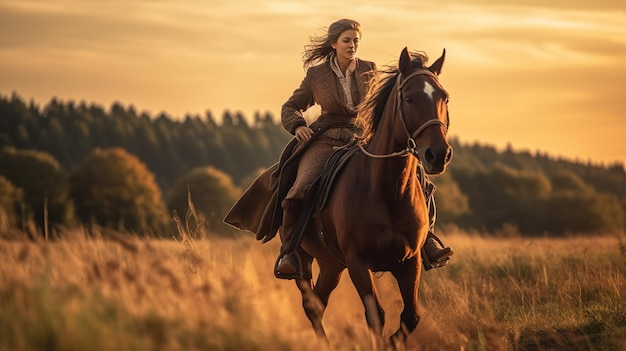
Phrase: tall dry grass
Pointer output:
(110, 291)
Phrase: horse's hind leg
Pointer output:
(313, 306)
(327, 281)
(315, 300)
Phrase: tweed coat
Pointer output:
(258, 210)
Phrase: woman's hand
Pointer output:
(303, 133)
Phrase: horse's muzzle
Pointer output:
(435, 160)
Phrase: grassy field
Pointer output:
(85, 292)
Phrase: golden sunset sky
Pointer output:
(540, 75)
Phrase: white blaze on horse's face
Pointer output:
(429, 90)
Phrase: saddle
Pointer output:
(317, 195)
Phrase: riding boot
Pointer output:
(434, 253)
(288, 263)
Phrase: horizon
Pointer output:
(545, 76)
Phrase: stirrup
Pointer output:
(298, 275)
(428, 265)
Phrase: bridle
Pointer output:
(411, 146)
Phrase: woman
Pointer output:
(337, 80)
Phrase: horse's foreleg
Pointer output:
(407, 274)
(363, 281)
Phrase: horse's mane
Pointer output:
(370, 111)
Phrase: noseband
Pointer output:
(411, 146)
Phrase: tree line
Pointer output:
(79, 163)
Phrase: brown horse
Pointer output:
(376, 217)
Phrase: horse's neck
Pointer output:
(393, 175)
(387, 140)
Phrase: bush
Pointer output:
(10, 200)
(43, 183)
(114, 189)
(211, 192)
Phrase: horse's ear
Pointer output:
(405, 61)
(436, 66)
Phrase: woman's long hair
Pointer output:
(320, 47)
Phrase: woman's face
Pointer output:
(347, 44)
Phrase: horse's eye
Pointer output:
(408, 99)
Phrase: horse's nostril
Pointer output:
(430, 155)
(449, 155)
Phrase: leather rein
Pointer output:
(411, 146)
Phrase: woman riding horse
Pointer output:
(337, 80)
(376, 218)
